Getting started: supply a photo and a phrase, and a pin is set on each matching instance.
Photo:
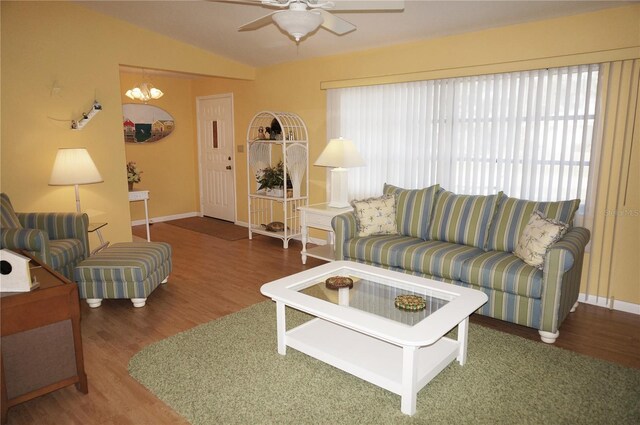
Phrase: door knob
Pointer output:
(228, 167)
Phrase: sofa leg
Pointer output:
(549, 337)
(573, 309)
(166, 279)
(94, 302)
(138, 302)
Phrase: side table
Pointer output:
(97, 227)
(319, 216)
(41, 341)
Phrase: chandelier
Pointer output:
(144, 92)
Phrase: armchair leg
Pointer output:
(138, 302)
(94, 302)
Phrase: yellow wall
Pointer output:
(35, 58)
(169, 166)
(45, 42)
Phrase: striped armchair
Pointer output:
(469, 240)
(59, 240)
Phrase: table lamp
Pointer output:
(74, 166)
(339, 154)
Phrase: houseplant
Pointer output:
(133, 174)
(271, 179)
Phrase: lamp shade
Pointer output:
(340, 153)
(74, 166)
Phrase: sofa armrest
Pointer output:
(59, 226)
(33, 240)
(562, 273)
(344, 228)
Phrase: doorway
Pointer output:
(215, 156)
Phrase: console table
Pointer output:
(41, 341)
(319, 216)
(142, 195)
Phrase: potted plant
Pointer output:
(271, 180)
(133, 175)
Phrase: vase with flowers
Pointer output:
(133, 174)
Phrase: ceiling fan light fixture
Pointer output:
(298, 23)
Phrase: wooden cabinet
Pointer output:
(41, 342)
(275, 137)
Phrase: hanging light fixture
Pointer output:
(298, 21)
(144, 91)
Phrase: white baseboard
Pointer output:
(165, 218)
(604, 302)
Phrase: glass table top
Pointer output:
(377, 296)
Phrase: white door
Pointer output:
(215, 140)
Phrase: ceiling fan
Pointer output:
(305, 16)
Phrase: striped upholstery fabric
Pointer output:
(512, 308)
(462, 219)
(512, 217)
(124, 270)
(436, 258)
(504, 272)
(60, 240)
(413, 209)
(381, 249)
(8, 217)
(345, 228)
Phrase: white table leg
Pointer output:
(343, 296)
(409, 380)
(463, 338)
(304, 236)
(281, 327)
(146, 217)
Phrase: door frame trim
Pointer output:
(233, 152)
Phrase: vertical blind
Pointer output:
(529, 134)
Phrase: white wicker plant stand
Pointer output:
(290, 146)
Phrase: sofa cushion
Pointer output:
(462, 219)
(503, 271)
(435, 258)
(64, 251)
(537, 236)
(8, 217)
(413, 209)
(513, 214)
(376, 216)
(380, 249)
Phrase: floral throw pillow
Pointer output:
(376, 216)
(537, 236)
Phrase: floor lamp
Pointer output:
(339, 154)
(73, 167)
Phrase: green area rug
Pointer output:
(228, 372)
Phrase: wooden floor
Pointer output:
(211, 278)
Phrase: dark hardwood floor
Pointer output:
(211, 278)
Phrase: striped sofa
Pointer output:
(468, 240)
(59, 240)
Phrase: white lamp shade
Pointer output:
(340, 153)
(74, 166)
(298, 23)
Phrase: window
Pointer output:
(526, 133)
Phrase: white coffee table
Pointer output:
(360, 330)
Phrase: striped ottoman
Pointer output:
(124, 270)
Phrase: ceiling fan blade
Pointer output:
(334, 24)
(356, 5)
(258, 23)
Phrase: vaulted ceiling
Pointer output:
(213, 25)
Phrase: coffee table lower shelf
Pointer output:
(373, 360)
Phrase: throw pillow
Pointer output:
(413, 209)
(376, 216)
(512, 215)
(537, 236)
(462, 219)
